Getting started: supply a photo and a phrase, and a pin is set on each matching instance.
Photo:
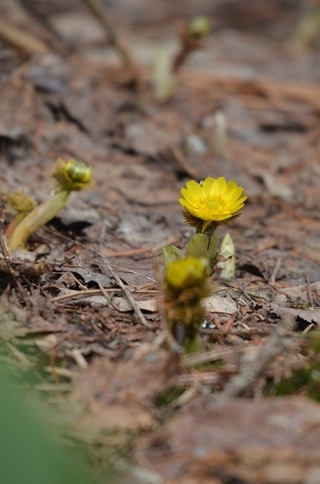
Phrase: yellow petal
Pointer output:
(184, 202)
(207, 184)
(187, 195)
(234, 195)
(219, 186)
(239, 202)
(194, 188)
(231, 185)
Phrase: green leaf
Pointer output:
(171, 254)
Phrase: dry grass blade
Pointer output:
(209, 356)
(125, 290)
(21, 41)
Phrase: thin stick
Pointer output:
(4, 249)
(100, 13)
(129, 271)
(78, 358)
(279, 341)
(209, 356)
(275, 271)
(14, 37)
(34, 10)
(309, 292)
(125, 290)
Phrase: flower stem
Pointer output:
(38, 217)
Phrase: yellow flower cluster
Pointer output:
(186, 281)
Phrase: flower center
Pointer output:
(213, 204)
(209, 208)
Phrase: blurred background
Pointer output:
(247, 36)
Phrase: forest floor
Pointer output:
(241, 410)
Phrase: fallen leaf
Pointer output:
(309, 315)
(219, 304)
(123, 306)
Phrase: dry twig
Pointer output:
(280, 341)
(122, 286)
(37, 11)
(100, 13)
(19, 40)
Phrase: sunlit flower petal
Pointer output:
(194, 188)
(187, 194)
(235, 195)
(219, 186)
(207, 184)
(231, 185)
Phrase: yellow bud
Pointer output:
(78, 171)
(199, 27)
(72, 175)
(20, 202)
(187, 272)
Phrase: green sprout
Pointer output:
(166, 64)
(307, 31)
(227, 252)
(70, 175)
(199, 27)
(199, 245)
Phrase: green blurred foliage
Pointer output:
(29, 452)
(304, 380)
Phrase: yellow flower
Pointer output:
(215, 200)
